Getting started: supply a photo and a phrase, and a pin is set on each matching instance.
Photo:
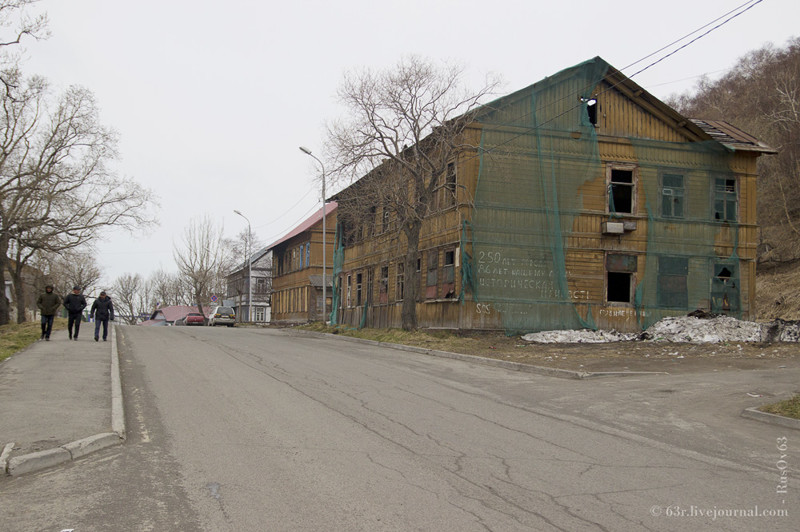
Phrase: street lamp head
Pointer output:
(237, 212)
(305, 150)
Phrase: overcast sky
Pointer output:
(212, 99)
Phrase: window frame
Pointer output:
(725, 196)
(663, 187)
(633, 185)
(615, 267)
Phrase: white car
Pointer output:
(222, 316)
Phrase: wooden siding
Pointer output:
(632, 132)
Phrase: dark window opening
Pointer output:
(620, 270)
(448, 274)
(620, 194)
(591, 109)
(369, 227)
(359, 280)
(619, 287)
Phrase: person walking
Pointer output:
(102, 311)
(48, 304)
(74, 303)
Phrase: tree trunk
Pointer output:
(5, 312)
(19, 293)
(408, 313)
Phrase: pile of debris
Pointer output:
(697, 327)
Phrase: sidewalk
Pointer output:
(59, 400)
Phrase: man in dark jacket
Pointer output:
(74, 303)
(48, 304)
(102, 311)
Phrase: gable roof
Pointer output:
(306, 224)
(176, 312)
(598, 70)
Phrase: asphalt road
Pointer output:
(255, 429)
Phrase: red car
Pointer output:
(193, 318)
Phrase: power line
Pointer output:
(738, 11)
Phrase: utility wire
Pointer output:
(750, 4)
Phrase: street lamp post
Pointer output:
(249, 268)
(324, 234)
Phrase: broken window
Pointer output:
(400, 281)
(672, 195)
(591, 109)
(672, 282)
(432, 275)
(621, 191)
(448, 274)
(725, 288)
(725, 199)
(619, 278)
(383, 289)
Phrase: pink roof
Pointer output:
(308, 223)
(176, 312)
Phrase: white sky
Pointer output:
(212, 98)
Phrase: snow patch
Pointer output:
(690, 329)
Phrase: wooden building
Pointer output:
(253, 279)
(297, 270)
(585, 203)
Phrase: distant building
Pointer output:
(258, 274)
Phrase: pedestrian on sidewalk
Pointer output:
(102, 311)
(48, 304)
(74, 303)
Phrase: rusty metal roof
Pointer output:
(732, 137)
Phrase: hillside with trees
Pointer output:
(761, 95)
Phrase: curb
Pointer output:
(774, 419)
(32, 462)
(506, 364)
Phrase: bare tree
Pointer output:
(405, 127)
(55, 191)
(166, 289)
(761, 95)
(16, 24)
(128, 295)
(199, 258)
(75, 267)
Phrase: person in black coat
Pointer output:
(74, 303)
(102, 311)
(48, 304)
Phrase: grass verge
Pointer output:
(787, 408)
(15, 337)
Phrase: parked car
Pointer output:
(222, 316)
(194, 318)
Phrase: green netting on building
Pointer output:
(528, 250)
(338, 262)
(692, 230)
